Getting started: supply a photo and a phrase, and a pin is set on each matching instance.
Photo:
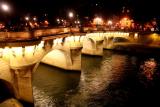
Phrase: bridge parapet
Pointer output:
(95, 36)
(73, 41)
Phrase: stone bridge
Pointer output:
(20, 58)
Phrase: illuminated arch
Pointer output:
(5, 73)
(58, 57)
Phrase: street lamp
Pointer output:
(70, 14)
(5, 7)
(27, 18)
(35, 19)
(110, 24)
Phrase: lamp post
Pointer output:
(70, 15)
(110, 24)
(6, 9)
(27, 18)
(98, 21)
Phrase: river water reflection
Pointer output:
(114, 80)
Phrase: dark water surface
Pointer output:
(114, 80)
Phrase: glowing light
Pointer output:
(125, 18)
(6, 53)
(98, 21)
(34, 18)
(60, 40)
(29, 49)
(46, 22)
(1, 52)
(41, 45)
(126, 22)
(58, 20)
(78, 22)
(82, 38)
(5, 7)
(77, 38)
(70, 14)
(149, 68)
(55, 41)
(26, 18)
(110, 22)
(17, 51)
(136, 35)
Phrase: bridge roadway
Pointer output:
(20, 58)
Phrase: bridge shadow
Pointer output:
(7, 96)
(6, 91)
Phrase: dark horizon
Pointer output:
(140, 10)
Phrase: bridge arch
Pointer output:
(89, 43)
(116, 38)
(57, 57)
(5, 73)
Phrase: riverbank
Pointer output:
(137, 48)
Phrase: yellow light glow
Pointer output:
(41, 45)
(70, 14)
(77, 38)
(1, 52)
(55, 41)
(60, 41)
(110, 22)
(136, 35)
(29, 50)
(26, 18)
(6, 53)
(17, 51)
(5, 7)
(82, 38)
(98, 21)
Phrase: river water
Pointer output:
(114, 80)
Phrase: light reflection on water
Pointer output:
(51, 84)
(114, 80)
(97, 74)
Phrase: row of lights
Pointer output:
(71, 16)
(97, 21)
(27, 18)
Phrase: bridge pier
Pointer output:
(92, 47)
(22, 80)
(108, 43)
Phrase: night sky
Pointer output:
(140, 9)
